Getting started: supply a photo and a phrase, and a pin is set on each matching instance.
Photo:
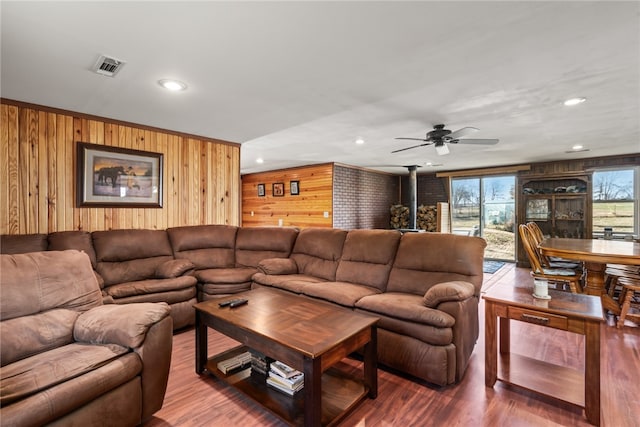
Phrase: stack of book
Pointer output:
(285, 379)
(259, 363)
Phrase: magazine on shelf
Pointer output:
(238, 361)
(285, 371)
(291, 382)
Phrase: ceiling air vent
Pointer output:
(108, 66)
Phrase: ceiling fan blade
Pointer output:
(476, 141)
(414, 139)
(462, 132)
(415, 146)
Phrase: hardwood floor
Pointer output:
(192, 400)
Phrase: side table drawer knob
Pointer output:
(535, 319)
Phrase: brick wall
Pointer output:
(431, 190)
(361, 198)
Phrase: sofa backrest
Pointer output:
(130, 255)
(367, 257)
(22, 243)
(206, 246)
(253, 244)
(425, 259)
(318, 250)
(80, 240)
(42, 295)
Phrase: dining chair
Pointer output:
(623, 285)
(630, 290)
(538, 270)
(551, 262)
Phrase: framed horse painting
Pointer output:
(118, 177)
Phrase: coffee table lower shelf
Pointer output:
(340, 392)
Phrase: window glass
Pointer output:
(615, 195)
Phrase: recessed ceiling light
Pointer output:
(574, 101)
(172, 85)
(260, 160)
(359, 141)
(577, 149)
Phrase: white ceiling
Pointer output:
(297, 82)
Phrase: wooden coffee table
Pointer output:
(577, 313)
(308, 335)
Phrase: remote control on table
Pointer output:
(238, 302)
(230, 302)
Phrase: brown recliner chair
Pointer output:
(67, 359)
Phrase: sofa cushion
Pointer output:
(39, 372)
(448, 291)
(317, 251)
(226, 275)
(343, 293)
(426, 259)
(130, 271)
(173, 268)
(22, 243)
(99, 391)
(218, 289)
(151, 286)
(125, 325)
(253, 244)
(405, 307)
(39, 281)
(126, 245)
(178, 296)
(289, 282)
(80, 240)
(130, 255)
(429, 334)
(38, 332)
(278, 266)
(367, 256)
(207, 246)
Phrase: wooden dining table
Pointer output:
(596, 254)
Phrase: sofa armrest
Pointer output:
(278, 266)
(448, 291)
(174, 268)
(155, 353)
(125, 324)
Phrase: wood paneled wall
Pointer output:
(304, 210)
(38, 163)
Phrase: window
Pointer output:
(615, 201)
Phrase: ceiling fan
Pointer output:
(440, 136)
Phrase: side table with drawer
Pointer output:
(577, 313)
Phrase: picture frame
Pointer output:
(261, 190)
(117, 177)
(278, 189)
(294, 188)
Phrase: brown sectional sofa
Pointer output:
(424, 287)
(67, 359)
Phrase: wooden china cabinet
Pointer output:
(560, 204)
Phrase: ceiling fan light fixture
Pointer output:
(574, 101)
(442, 149)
